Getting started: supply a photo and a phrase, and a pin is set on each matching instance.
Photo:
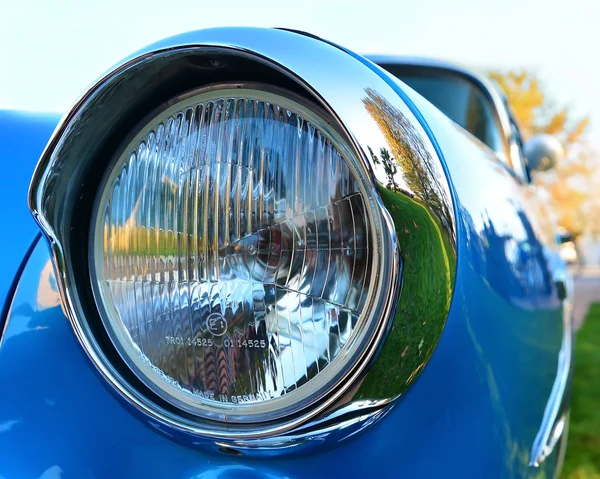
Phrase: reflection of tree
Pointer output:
(425, 230)
(572, 184)
(421, 172)
(389, 166)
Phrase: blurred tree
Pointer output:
(535, 112)
(572, 186)
(573, 189)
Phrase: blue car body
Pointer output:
(475, 411)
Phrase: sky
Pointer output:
(51, 50)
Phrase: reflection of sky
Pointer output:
(6, 426)
(237, 471)
(548, 35)
(46, 295)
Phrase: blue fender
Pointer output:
(462, 418)
(469, 414)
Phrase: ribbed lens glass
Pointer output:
(233, 254)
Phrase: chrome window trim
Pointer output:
(510, 155)
(341, 85)
(485, 83)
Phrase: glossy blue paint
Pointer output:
(23, 136)
(474, 412)
(463, 417)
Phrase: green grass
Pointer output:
(582, 460)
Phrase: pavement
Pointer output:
(587, 291)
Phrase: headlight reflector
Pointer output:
(235, 257)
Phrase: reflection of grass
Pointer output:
(429, 267)
(137, 240)
(583, 451)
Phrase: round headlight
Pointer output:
(236, 254)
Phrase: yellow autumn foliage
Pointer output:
(572, 185)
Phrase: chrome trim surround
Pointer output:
(494, 95)
(511, 155)
(409, 184)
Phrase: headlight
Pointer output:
(267, 260)
(234, 253)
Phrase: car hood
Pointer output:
(23, 136)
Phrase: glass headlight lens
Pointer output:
(234, 254)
